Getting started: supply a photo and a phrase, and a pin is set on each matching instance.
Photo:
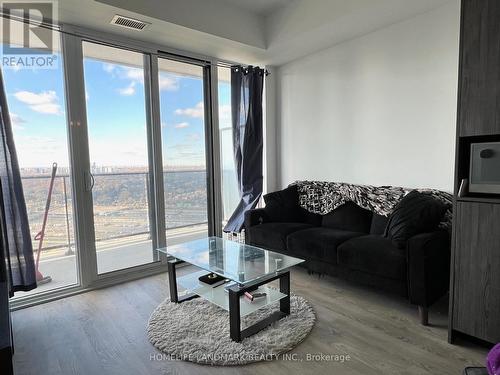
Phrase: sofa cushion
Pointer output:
(273, 235)
(283, 206)
(349, 217)
(415, 213)
(373, 254)
(318, 243)
(379, 223)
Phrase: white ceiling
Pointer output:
(216, 17)
(307, 26)
(260, 7)
(270, 32)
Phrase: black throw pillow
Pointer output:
(283, 206)
(415, 213)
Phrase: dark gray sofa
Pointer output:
(349, 242)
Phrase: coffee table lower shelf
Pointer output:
(233, 300)
(218, 296)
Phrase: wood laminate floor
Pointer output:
(103, 332)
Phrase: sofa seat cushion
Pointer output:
(349, 217)
(273, 236)
(318, 243)
(373, 254)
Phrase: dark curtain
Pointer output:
(246, 106)
(17, 250)
(5, 326)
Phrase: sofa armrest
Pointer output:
(255, 217)
(428, 257)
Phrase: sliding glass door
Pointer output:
(118, 150)
(181, 93)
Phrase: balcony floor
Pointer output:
(112, 255)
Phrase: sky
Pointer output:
(116, 116)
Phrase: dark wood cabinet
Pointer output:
(476, 290)
(475, 268)
(479, 84)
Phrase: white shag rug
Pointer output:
(198, 331)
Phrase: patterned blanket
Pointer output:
(323, 197)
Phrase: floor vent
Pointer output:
(129, 23)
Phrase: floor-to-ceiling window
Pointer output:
(181, 87)
(36, 101)
(118, 149)
(229, 183)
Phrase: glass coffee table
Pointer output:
(246, 269)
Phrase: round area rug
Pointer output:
(198, 331)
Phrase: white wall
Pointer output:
(379, 109)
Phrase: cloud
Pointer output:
(127, 91)
(168, 83)
(108, 68)
(45, 102)
(181, 125)
(134, 74)
(196, 111)
(17, 121)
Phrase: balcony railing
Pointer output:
(121, 205)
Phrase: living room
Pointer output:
(229, 186)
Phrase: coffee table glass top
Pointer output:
(235, 261)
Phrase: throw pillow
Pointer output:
(415, 213)
(283, 206)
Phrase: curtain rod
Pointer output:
(53, 27)
(222, 64)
